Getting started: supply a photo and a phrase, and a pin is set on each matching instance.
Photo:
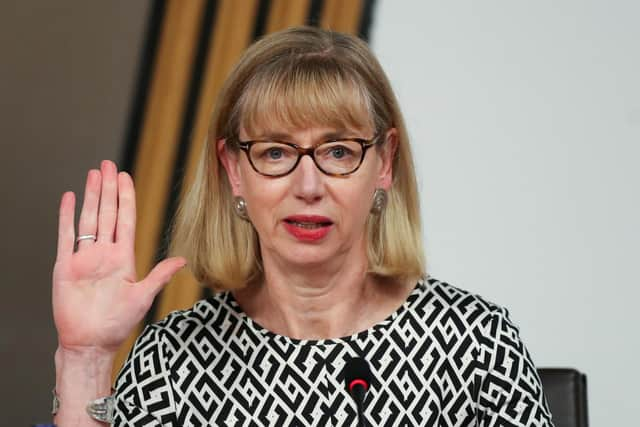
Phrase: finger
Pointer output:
(162, 274)
(108, 202)
(89, 215)
(126, 222)
(66, 232)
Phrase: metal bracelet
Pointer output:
(102, 409)
(56, 403)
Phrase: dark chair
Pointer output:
(566, 391)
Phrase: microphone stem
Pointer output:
(361, 421)
(358, 395)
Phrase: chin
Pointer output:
(307, 255)
(311, 254)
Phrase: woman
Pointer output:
(304, 216)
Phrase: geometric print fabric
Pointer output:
(446, 357)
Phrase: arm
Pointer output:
(511, 393)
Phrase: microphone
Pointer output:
(357, 376)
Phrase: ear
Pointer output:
(230, 161)
(387, 154)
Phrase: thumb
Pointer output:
(162, 274)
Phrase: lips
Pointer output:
(308, 227)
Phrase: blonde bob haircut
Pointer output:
(297, 78)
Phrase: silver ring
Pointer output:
(86, 237)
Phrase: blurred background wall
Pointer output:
(67, 73)
(525, 120)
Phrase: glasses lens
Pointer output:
(273, 158)
(338, 157)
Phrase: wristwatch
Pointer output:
(101, 409)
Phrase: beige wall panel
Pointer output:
(158, 143)
(287, 13)
(341, 15)
(231, 36)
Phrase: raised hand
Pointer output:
(97, 299)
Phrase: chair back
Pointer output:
(566, 392)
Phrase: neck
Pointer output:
(320, 303)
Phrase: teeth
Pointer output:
(308, 225)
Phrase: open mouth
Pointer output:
(308, 228)
(309, 225)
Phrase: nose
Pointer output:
(308, 180)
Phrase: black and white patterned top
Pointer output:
(444, 358)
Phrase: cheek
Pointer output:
(355, 202)
(263, 199)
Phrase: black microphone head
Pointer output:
(356, 371)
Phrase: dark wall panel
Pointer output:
(66, 76)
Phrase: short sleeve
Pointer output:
(511, 393)
(143, 396)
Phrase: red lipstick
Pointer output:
(308, 228)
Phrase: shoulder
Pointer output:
(203, 311)
(440, 297)
(208, 316)
(449, 312)
(181, 326)
(145, 393)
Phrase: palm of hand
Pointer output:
(96, 301)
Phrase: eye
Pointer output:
(338, 152)
(274, 153)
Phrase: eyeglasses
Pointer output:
(338, 157)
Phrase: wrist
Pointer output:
(83, 355)
(92, 363)
(82, 375)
